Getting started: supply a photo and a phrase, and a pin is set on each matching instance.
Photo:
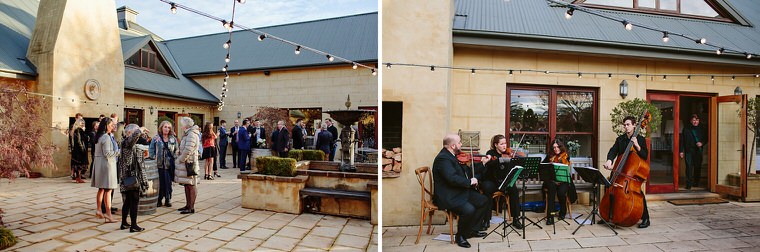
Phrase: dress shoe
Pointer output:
(517, 224)
(168, 204)
(550, 221)
(136, 229)
(477, 234)
(486, 224)
(461, 241)
(224, 167)
(124, 226)
(188, 211)
(159, 204)
(644, 223)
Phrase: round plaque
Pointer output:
(92, 89)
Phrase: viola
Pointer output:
(465, 158)
(622, 203)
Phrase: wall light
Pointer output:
(623, 89)
(239, 114)
(738, 91)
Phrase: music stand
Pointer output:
(530, 164)
(593, 176)
(508, 181)
(548, 173)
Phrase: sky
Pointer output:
(155, 15)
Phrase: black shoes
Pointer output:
(517, 224)
(159, 204)
(187, 211)
(461, 241)
(182, 209)
(124, 226)
(217, 175)
(485, 225)
(135, 228)
(168, 204)
(644, 223)
(549, 221)
(477, 234)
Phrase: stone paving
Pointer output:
(732, 226)
(56, 214)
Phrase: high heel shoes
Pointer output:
(98, 214)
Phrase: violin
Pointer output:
(465, 158)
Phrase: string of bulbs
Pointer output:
(628, 25)
(97, 103)
(512, 71)
(231, 25)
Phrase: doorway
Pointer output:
(667, 168)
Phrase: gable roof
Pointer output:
(353, 37)
(17, 18)
(540, 25)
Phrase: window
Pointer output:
(148, 59)
(539, 114)
(134, 116)
(692, 8)
(393, 114)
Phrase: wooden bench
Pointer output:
(338, 194)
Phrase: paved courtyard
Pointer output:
(57, 214)
(732, 226)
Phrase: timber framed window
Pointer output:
(148, 59)
(699, 9)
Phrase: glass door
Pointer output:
(729, 150)
(663, 156)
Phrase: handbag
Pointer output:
(190, 169)
(130, 183)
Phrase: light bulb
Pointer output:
(241, 1)
(701, 41)
(580, 75)
(719, 51)
(569, 13)
(227, 59)
(388, 65)
(749, 55)
(665, 37)
(330, 58)
(374, 73)
(473, 71)
(262, 37)
(226, 45)
(298, 50)
(627, 25)
(225, 24)
(174, 8)
(224, 68)
(354, 66)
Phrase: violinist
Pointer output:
(496, 172)
(639, 144)
(558, 154)
(454, 191)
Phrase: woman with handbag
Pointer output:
(187, 167)
(163, 149)
(132, 177)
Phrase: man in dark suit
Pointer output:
(324, 139)
(693, 139)
(283, 138)
(233, 134)
(298, 136)
(454, 191)
(223, 142)
(250, 129)
(258, 133)
(244, 144)
(334, 131)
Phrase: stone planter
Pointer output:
(258, 152)
(273, 193)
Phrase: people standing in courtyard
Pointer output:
(223, 143)
(79, 160)
(104, 170)
(187, 163)
(693, 139)
(209, 149)
(244, 145)
(283, 139)
(334, 131)
(619, 148)
(163, 149)
(93, 141)
(324, 140)
(233, 134)
(298, 135)
(131, 170)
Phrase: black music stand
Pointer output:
(547, 172)
(509, 181)
(530, 165)
(593, 176)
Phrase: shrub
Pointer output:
(296, 154)
(317, 155)
(276, 166)
(635, 108)
(7, 239)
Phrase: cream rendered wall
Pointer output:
(74, 41)
(479, 101)
(416, 31)
(324, 87)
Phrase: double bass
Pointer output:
(622, 203)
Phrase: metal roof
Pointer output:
(352, 37)
(17, 18)
(538, 20)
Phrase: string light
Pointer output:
(473, 71)
(665, 37)
(580, 76)
(173, 8)
(510, 72)
(688, 77)
(609, 76)
(627, 25)
(733, 77)
(241, 1)
(330, 58)
(374, 73)
(354, 66)
(227, 60)
(719, 51)
(227, 44)
(664, 77)
(224, 69)
(432, 68)
(701, 41)
(298, 50)
(388, 65)
(569, 13)
(262, 37)
(712, 77)
(749, 55)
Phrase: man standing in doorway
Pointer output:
(693, 139)
(233, 135)
(334, 131)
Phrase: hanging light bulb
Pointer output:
(354, 66)
(627, 25)
(665, 37)
(580, 76)
(224, 69)
(733, 77)
(712, 77)
(749, 55)
(569, 13)
(227, 59)
(330, 58)
(688, 77)
(719, 51)
(241, 1)
(227, 44)
(757, 75)
(225, 24)
(174, 8)
(473, 71)
(432, 68)
(374, 73)
(637, 76)
(224, 89)
(262, 37)
(701, 41)
(231, 26)
(609, 76)
(226, 76)
(388, 65)
(298, 50)
(510, 72)
(664, 77)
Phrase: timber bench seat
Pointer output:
(338, 194)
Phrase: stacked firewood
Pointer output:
(392, 160)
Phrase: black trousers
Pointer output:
(235, 155)
(645, 215)
(131, 198)
(693, 160)
(283, 154)
(472, 212)
(489, 187)
(559, 191)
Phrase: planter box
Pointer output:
(273, 193)
(753, 187)
(372, 185)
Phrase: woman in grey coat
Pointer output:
(104, 168)
(188, 155)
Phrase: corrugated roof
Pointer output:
(17, 18)
(539, 19)
(352, 37)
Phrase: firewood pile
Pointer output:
(391, 161)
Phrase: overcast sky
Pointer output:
(155, 15)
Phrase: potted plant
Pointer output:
(277, 187)
(635, 108)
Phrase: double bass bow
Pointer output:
(622, 203)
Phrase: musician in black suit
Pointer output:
(496, 172)
(693, 139)
(621, 143)
(454, 191)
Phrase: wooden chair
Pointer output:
(427, 208)
(497, 196)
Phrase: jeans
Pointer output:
(165, 185)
